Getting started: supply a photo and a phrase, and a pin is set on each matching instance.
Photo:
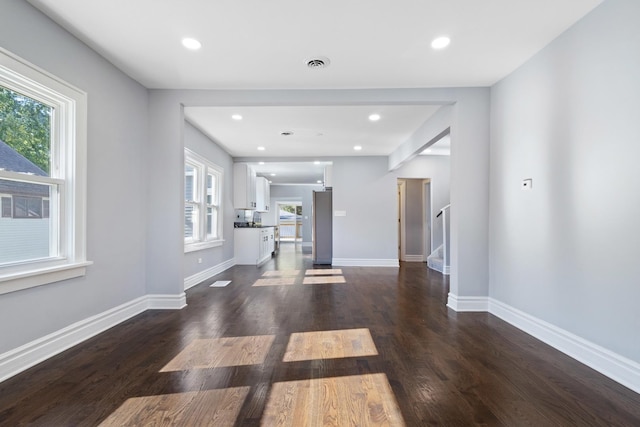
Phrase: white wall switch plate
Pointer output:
(527, 184)
(340, 213)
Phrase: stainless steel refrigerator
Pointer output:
(322, 227)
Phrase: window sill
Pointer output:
(37, 277)
(198, 246)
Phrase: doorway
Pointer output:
(290, 221)
(414, 219)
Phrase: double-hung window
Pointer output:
(42, 177)
(202, 203)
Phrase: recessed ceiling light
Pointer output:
(261, 163)
(357, 147)
(272, 174)
(319, 181)
(440, 42)
(428, 150)
(317, 162)
(270, 182)
(236, 117)
(191, 44)
(261, 148)
(374, 117)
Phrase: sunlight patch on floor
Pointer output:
(202, 408)
(330, 345)
(281, 281)
(358, 400)
(322, 271)
(221, 352)
(316, 280)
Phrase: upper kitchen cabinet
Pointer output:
(263, 194)
(244, 187)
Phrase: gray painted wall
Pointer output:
(567, 251)
(367, 192)
(116, 178)
(198, 142)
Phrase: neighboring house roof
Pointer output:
(11, 160)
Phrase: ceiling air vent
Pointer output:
(318, 62)
(286, 133)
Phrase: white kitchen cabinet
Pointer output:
(263, 194)
(328, 176)
(270, 246)
(244, 186)
(253, 246)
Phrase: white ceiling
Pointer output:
(292, 172)
(258, 44)
(318, 131)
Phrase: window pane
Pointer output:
(25, 134)
(25, 234)
(212, 223)
(190, 183)
(7, 209)
(211, 190)
(190, 222)
(27, 207)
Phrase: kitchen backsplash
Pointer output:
(243, 215)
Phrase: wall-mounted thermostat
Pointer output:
(527, 184)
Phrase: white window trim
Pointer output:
(71, 106)
(204, 166)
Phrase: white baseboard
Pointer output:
(355, 262)
(446, 270)
(620, 369)
(413, 258)
(24, 357)
(467, 303)
(203, 275)
(167, 302)
(608, 363)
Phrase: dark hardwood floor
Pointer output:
(221, 361)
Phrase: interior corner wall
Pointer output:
(469, 213)
(365, 190)
(116, 182)
(201, 144)
(165, 207)
(566, 252)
